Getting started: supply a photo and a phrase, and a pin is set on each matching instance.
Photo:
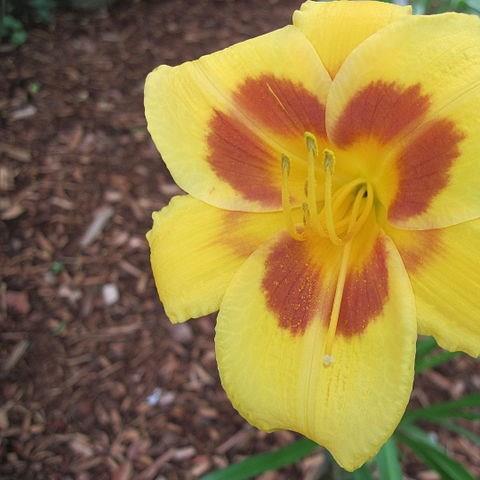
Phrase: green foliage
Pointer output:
(12, 30)
(432, 454)
(467, 407)
(57, 267)
(16, 15)
(258, 464)
(464, 432)
(427, 356)
(38, 11)
(363, 473)
(425, 345)
(443, 414)
(87, 4)
(421, 7)
(42, 10)
(388, 462)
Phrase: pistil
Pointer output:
(355, 209)
(337, 303)
(355, 223)
(340, 220)
(358, 224)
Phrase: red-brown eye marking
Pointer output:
(292, 285)
(423, 168)
(365, 293)
(284, 107)
(380, 111)
(239, 157)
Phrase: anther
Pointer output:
(328, 160)
(311, 143)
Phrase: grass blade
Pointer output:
(455, 409)
(388, 462)
(425, 346)
(420, 7)
(363, 473)
(433, 361)
(263, 462)
(432, 454)
(464, 432)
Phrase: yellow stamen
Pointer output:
(338, 199)
(337, 302)
(286, 203)
(311, 177)
(344, 192)
(329, 163)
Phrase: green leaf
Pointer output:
(420, 7)
(432, 454)
(433, 361)
(388, 462)
(338, 473)
(43, 10)
(18, 37)
(12, 29)
(461, 408)
(473, 4)
(425, 360)
(425, 346)
(363, 473)
(464, 432)
(56, 267)
(263, 462)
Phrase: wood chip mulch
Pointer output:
(94, 382)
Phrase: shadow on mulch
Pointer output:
(95, 383)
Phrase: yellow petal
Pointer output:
(412, 89)
(336, 28)
(444, 267)
(196, 249)
(223, 122)
(270, 343)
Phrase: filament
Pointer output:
(329, 162)
(311, 177)
(286, 202)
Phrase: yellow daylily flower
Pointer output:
(332, 168)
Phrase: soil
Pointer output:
(94, 381)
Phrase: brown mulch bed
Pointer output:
(94, 382)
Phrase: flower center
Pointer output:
(340, 218)
(343, 212)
